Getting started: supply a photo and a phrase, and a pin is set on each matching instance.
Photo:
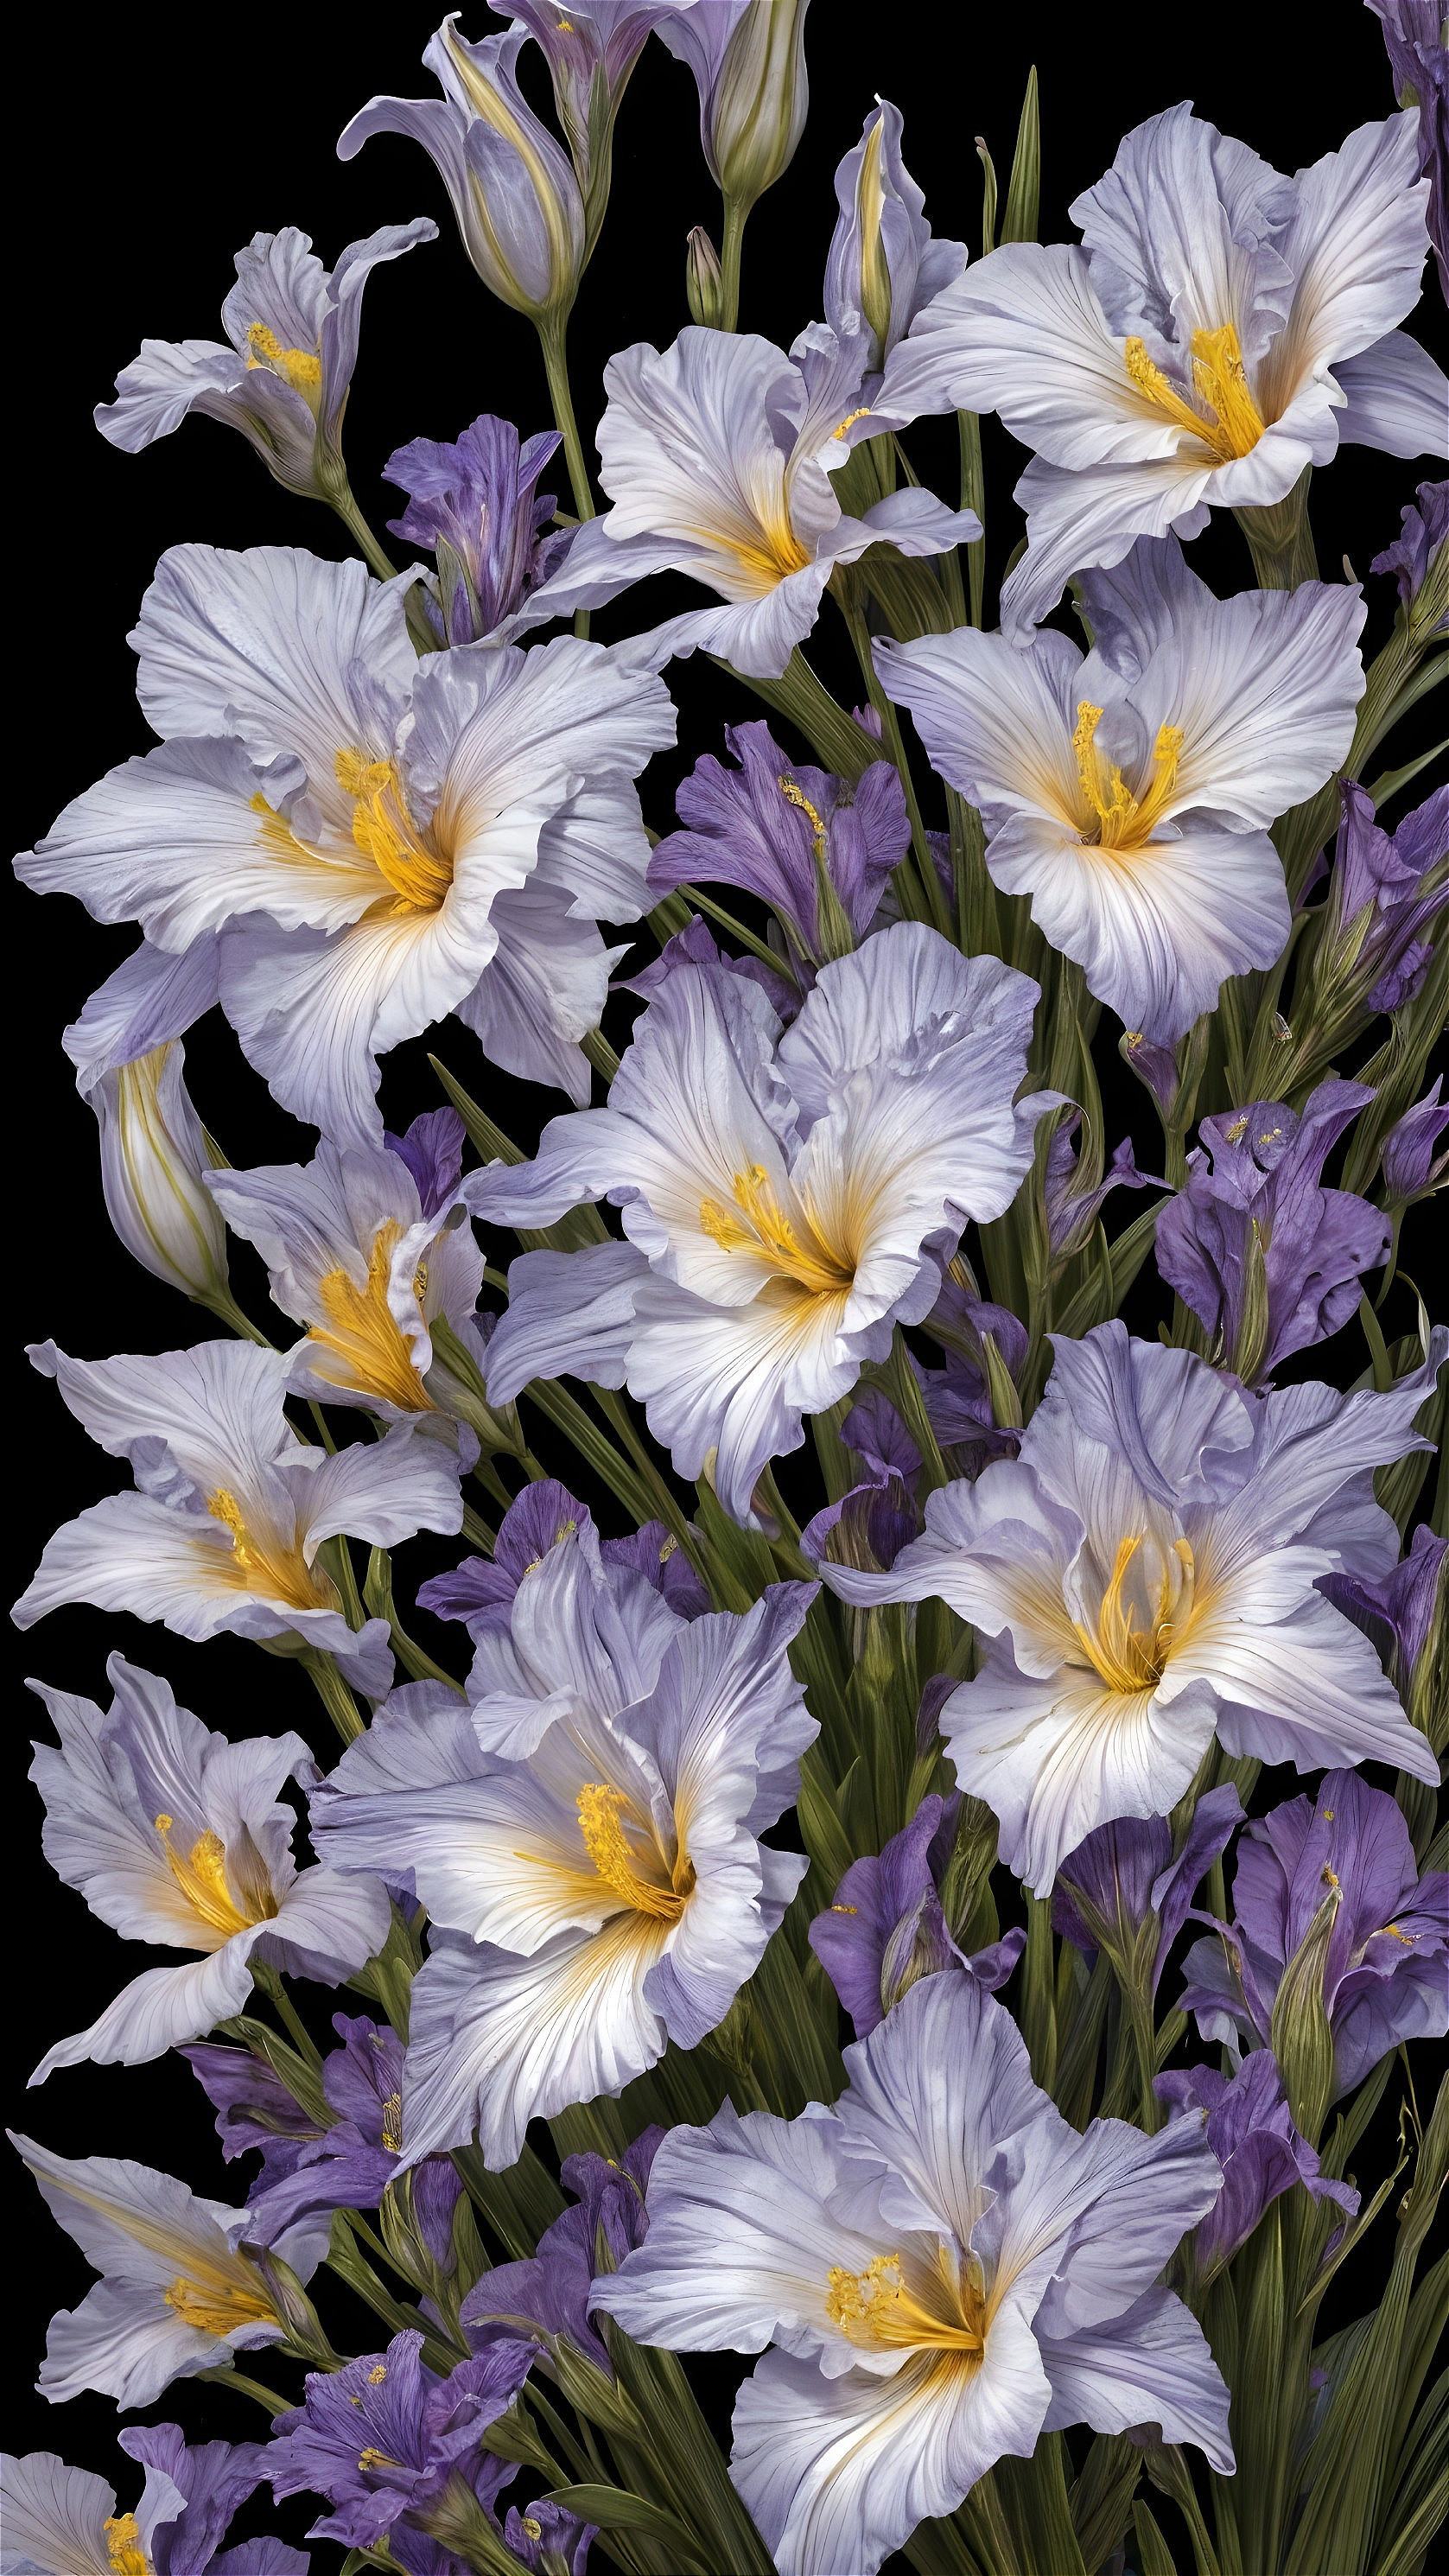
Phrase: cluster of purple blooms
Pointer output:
(1069, 1589)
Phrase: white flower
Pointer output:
(1129, 792)
(378, 841)
(1221, 329)
(174, 1835)
(786, 1198)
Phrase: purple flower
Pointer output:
(1396, 1611)
(1410, 1163)
(481, 1593)
(254, 2108)
(1268, 1259)
(887, 1928)
(1383, 1973)
(1072, 1199)
(882, 266)
(1414, 36)
(1409, 557)
(1250, 2131)
(1386, 888)
(385, 2440)
(432, 1149)
(189, 2500)
(549, 2538)
(475, 502)
(533, 2302)
(873, 1521)
(810, 845)
(1122, 1891)
(591, 51)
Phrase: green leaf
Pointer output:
(1152, 2549)
(1018, 223)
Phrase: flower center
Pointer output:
(124, 2553)
(879, 2306)
(385, 832)
(299, 368)
(617, 1860)
(201, 1876)
(1123, 821)
(218, 2306)
(1130, 1658)
(795, 1251)
(363, 1333)
(1233, 424)
(266, 1565)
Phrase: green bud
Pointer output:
(1246, 1355)
(1005, 1401)
(760, 99)
(703, 280)
(1302, 2040)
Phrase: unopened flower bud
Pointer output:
(1302, 2035)
(703, 281)
(748, 58)
(153, 1157)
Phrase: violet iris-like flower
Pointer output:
(1410, 1164)
(585, 1836)
(475, 502)
(59, 2521)
(481, 1590)
(886, 1928)
(223, 1532)
(1419, 545)
(1250, 2130)
(1384, 1971)
(882, 266)
(1147, 1574)
(1122, 1890)
(1396, 1610)
(1129, 792)
(1072, 1203)
(1385, 890)
(385, 2440)
(785, 1195)
(176, 1836)
(748, 61)
(1220, 329)
(943, 2269)
(791, 834)
(548, 2534)
(284, 380)
(547, 2295)
(1268, 1259)
(1419, 61)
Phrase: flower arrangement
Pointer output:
(788, 1600)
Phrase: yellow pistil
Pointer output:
(762, 1226)
(300, 368)
(879, 2307)
(1123, 821)
(1232, 423)
(1130, 1658)
(124, 2553)
(218, 2305)
(360, 1329)
(279, 1572)
(385, 832)
(392, 2124)
(795, 795)
(601, 1812)
(201, 1876)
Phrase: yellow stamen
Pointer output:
(202, 1879)
(877, 2306)
(124, 2553)
(392, 2124)
(362, 1332)
(301, 368)
(1130, 1658)
(850, 420)
(378, 2372)
(371, 2459)
(1233, 424)
(795, 795)
(763, 1227)
(275, 1569)
(616, 1861)
(218, 2306)
(385, 832)
(1124, 821)
(845, 1909)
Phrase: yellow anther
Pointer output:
(1124, 821)
(269, 1565)
(1232, 423)
(879, 2306)
(202, 1879)
(566, 1529)
(124, 2553)
(1270, 1136)
(617, 1861)
(1127, 1657)
(164, 1824)
(300, 368)
(796, 1252)
(378, 2372)
(392, 2124)
(218, 2306)
(795, 795)
(850, 420)
(668, 1549)
(534, 2530)
(420, 1284)
(1328, 1815)
(358, 1327)
(1237, 1131)
(845, 1909)
(371, 2459)
(385, 832)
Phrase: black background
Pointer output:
(167, 140)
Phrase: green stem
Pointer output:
(286, 2011)
(223, 1305)
(237, 2379)
(938, 910)
(973, 497)
(552, 332)
(334, 1694)
(374, 554)
(731, 246)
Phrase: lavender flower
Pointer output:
(1396, 1612)
(1385, 889)
(480, 1591)
(882, 266)
(396, 2450)
(1418, 560)
(887, 1927)
(1419, 60)
(748, 61)
(476, 503)
(1383, 1971)
(59, 2521)
(549, 2539)
(1410, 1164)
(1122, 1891)
(816, 849)
(1268, 1259)
(1073, 1196)
(1250, 2130)
(546, 2296)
